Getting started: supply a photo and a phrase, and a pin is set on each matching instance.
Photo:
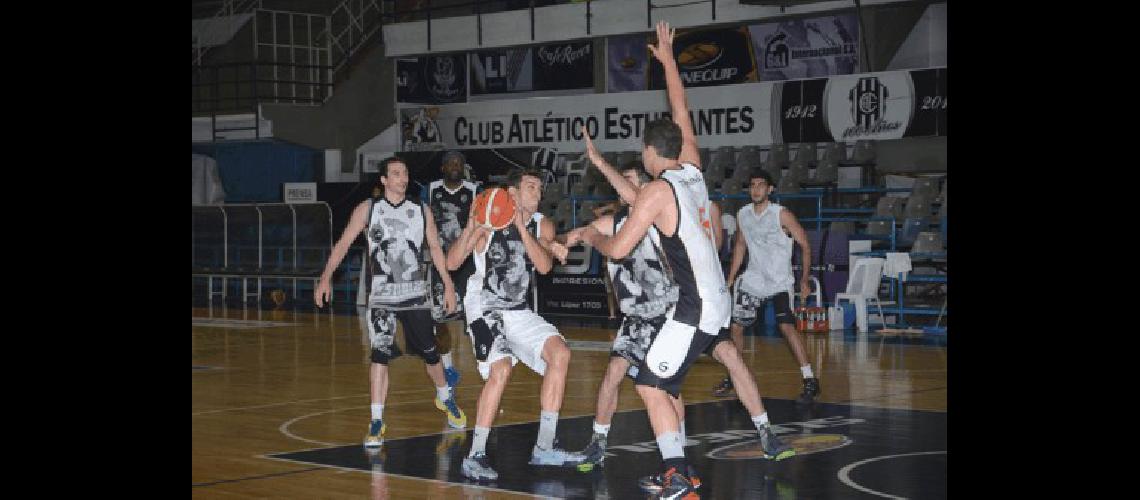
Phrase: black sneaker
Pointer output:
(724, 389)
(675, 485)
(595, 451)
(811, 390)
(652, 483)
(774, 448)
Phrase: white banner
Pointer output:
(726, 115)
(868, 106)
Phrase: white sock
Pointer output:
(443, 393)
(377, 412)
(806, 370)
(670, 445)
(760, 421)
(547, 424)
(601, 429)
(479, 440)
(446, 360)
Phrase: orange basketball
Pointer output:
(493, 208)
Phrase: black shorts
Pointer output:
(633, 339)
(459, 279)
(672, 351)
(746, 307)
(419, 335)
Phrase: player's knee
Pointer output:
(726, 353)
(557, 353)
(500, 371)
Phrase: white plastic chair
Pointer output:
(863, 287)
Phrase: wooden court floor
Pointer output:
(272, 381)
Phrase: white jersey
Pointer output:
(769, 268)
(703, 300)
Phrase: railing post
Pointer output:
(429, 25)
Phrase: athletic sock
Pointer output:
(479, 440)
(806, 371)
(547, 424)
(377, 412)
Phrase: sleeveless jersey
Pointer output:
(505, 268)
(769, 268)
(450, 209)
(395, 235)
(641, 281)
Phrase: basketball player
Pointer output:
(396, 229)
(764, 229)
(450, 200)
(644, 293)
(676, 204)
(507, 331)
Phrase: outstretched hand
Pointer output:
(664, 49)
(591, 150)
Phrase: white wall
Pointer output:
(568, 21)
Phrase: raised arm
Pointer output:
(355, 226)
(439, 261)
(675, 89)
(625, 189)
(650, 202)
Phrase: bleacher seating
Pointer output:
(864, 153)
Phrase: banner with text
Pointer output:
(806, 47)
(885, 105)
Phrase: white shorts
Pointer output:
(519, 335)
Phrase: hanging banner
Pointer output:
(885, 105)
(806, 48)
(709, 57)
(729, 115)
(874, 106)
(432, 79)
(564, 66)
(501, 71)
(627, 63)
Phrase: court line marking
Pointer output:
(260, 476)
(446, 483)
(845, 478)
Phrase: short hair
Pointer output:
(759, 173)
(636, 166)
(515, 179)
(388, 161)
(453, 153)
(665, 137)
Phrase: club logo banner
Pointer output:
(806, 48)
(846, 108)
(432, 79)
(627, 63)
(869, 106)
(564, 66)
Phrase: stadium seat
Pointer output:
(928, 242)
(777, 158)
(842, 227)
(748, 158)
(827, 171)
(879, 228)
(926, 187)
(863, 288)
(917, 207)
(835, 151)
(888, 206)
(805, 155)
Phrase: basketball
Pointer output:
(493, 208)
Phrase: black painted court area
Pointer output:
(828, 438)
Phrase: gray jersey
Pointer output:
(641, 282)
(506, 268)
(395, 235)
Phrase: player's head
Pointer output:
(662, 145)
(760, 185)
(394, 176)
(634, 172)
(452, 166)
(526, 187)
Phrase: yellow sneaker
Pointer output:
(375, 435)
(455, 417)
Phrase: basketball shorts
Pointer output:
(518, 334)
(633, 340)
(380, 324)
(672, 351)
(745, 307)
